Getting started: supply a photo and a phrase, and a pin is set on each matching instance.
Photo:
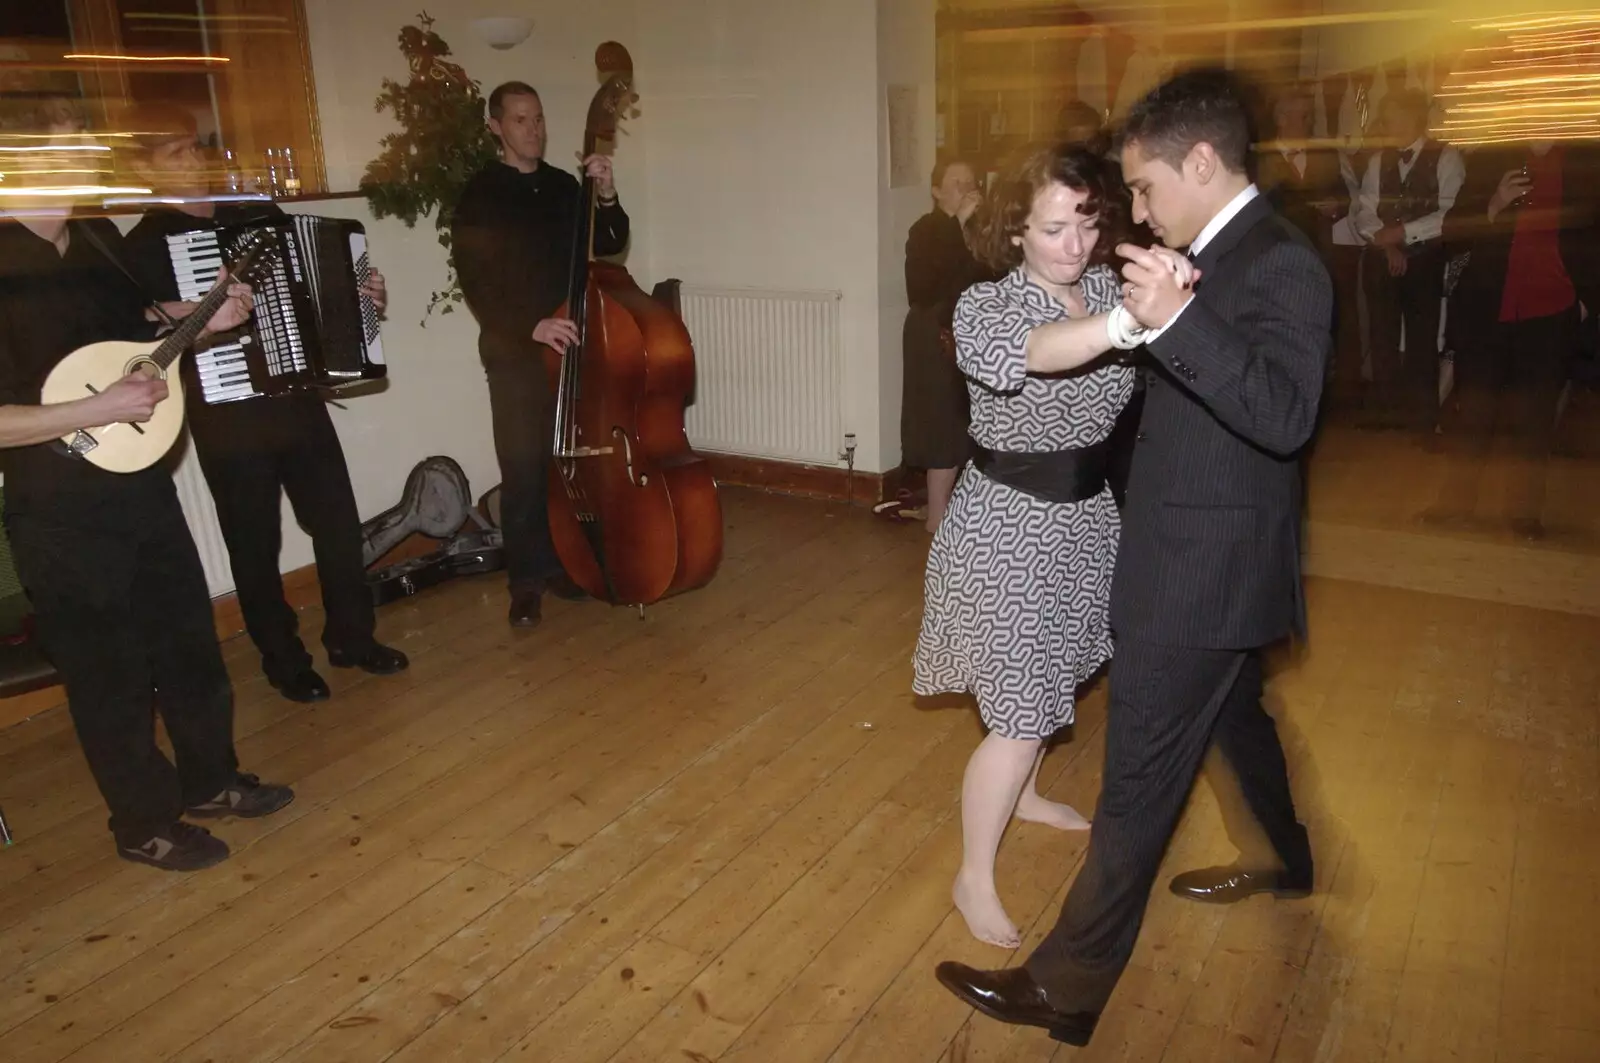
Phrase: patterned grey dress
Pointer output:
(1017, 591)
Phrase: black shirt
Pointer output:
(512, 238)
(939, 265)
(50, 305)
(246, 424)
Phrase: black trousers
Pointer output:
(1509, 377)
(122, 612)
(522, 406)
(1405, 384)
(1168, 705)
(253, 453)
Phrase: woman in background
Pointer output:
(1019, 576)
(939, 267)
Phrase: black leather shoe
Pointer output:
(1226, 885)
(526, 608)
(1011, 995)
(304, 686)
(562, 587)
(376, 659)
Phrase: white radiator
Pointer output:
(202, 517)
(769, 370)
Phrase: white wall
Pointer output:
(905, 57)
(757, 160)
(761, 126)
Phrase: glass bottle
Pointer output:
(233, 179)
(274, 173)
(291, 176)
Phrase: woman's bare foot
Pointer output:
(980, 906)
(1035, 809)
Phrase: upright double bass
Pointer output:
(633, 511)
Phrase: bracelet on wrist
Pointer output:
(1122, 330)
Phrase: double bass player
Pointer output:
(512, 236)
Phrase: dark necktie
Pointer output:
(1407, 155)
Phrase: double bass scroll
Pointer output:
(634, 513)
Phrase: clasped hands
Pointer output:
(1157, 283)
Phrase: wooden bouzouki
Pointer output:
(93, 368)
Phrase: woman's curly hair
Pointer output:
(1004, 213)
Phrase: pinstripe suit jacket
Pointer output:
(1210, 553)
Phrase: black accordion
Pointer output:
(313, 327)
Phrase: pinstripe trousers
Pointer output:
(1168, 704)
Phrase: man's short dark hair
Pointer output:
(150, 125)
(942, 164)
(497, 98)
(1197, 107)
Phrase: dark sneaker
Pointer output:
(180, 847)
(247, 798)
(376, 659)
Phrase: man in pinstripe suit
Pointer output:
(1209, 568)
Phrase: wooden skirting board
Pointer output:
(300, 589)
(812, 481)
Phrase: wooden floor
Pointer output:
(727, 833)
(1386, 480)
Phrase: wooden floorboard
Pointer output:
(727, 832)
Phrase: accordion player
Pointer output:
(313, 327)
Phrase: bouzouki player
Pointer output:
(118, 592)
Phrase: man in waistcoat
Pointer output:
(1411, 183)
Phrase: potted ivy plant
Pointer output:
(441, 143)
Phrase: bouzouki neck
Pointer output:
(182, 338)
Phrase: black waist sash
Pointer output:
(1061, 476)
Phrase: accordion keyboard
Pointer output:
(223, 370)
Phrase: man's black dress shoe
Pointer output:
(1011, 995)
(303, 686)
(1225, 885)
(376, 659)
(526, 608)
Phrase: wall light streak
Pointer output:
(41, 149)
(72, 191)
(149, 58)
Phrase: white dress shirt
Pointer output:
(1452, 170)
(1213, 227)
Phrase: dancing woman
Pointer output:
(1019, 574)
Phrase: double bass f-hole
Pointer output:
(627, 457)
